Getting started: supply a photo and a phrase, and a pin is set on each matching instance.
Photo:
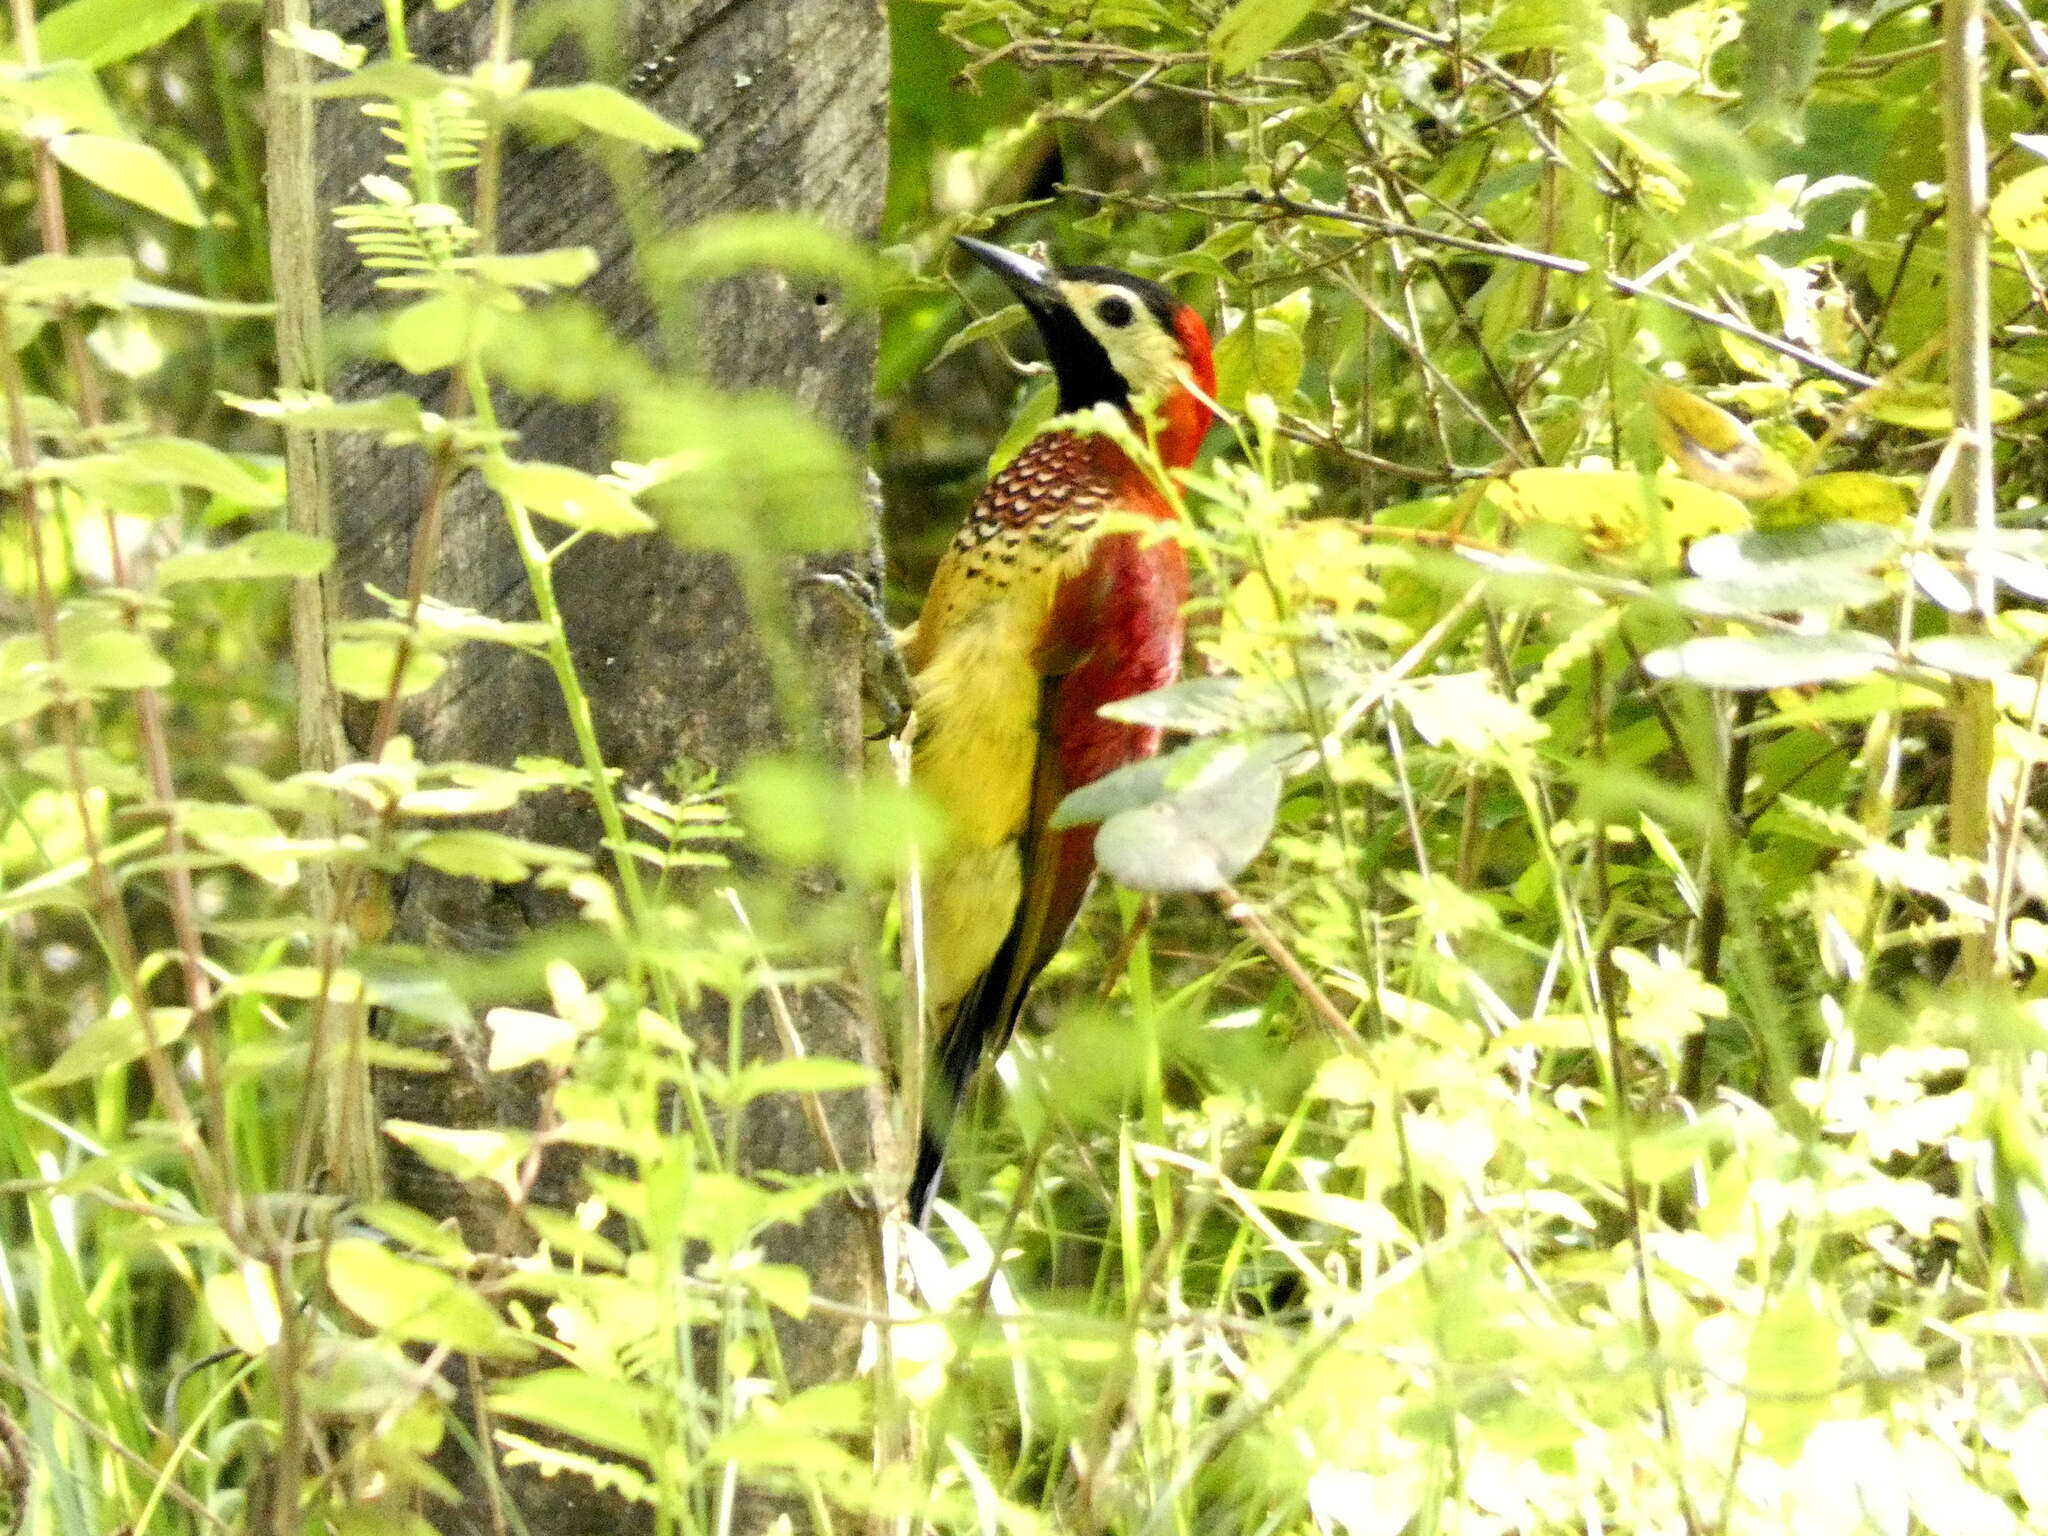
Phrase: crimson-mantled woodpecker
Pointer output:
(1034, 620)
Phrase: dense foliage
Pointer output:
(1564, 1049)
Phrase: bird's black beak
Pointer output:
(1032, 281)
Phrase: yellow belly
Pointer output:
(977, 748)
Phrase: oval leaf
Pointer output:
(133, 172)
(1746, 663)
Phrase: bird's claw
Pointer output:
(885, 680)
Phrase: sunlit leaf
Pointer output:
(1926, 407)
(103, 32)
(362, 667)
(2020, 210)
(567, 496)
(1715, 449)
(267, 552)
(133, 172)
(1752, 662)
(243, 1304)
(417, 1302)
(65, 279)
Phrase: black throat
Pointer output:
(1080, 364)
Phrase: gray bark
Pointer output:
(789, 97)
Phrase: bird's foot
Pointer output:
(885, 680)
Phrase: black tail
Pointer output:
(980, 1026)
(924, 1184)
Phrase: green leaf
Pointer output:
(248, 834)
(169, 461)
(1747, 663)
(787, 242)
(98, 655)
(416, 1302)
(394, 80)
(567, 496)
(1188, 822)
(784, 1287)
(478, 854)
(604, 110)
(520, 1037)
(397, 414)
(746, 474)
(601, 1411)
(243, 1304)
(1766, 554)
(541, 270)
(1251, 29)
(65, 90)
(103, 32)
(133, 172)
(1988, 657)
(66, 279)
(794, 1074)
(490, 1155)
(1521, 25)
(437, 332)
(267, 552)
(1260, 356)
(1780, 52)
(1782, 589)
(1791, 1371)
(1208, 706)
(361, 667)
(111, 1042)
(2020, 210)
(1924, 407)
(447, 622)
(303, 982)
(101, 768)
(1038, 408)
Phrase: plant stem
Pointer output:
(1972, 499)
(149, 710)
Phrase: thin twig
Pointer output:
(1240, 911)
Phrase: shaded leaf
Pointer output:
(1203, 829)
(1251, 29)
(604, 1412)
(1925, 407)
(111, 1042)
(604, 110)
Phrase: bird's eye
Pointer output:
(1115, 310)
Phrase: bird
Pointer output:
(1036, 617)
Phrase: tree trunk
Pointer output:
(789, 98)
